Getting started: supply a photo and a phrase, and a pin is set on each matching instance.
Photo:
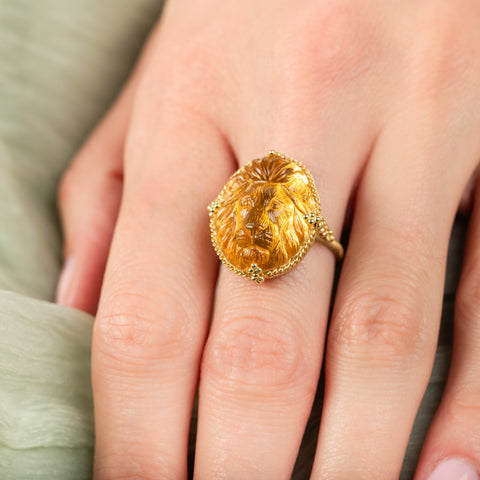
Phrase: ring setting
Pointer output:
(267, 217)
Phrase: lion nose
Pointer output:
(255, 228)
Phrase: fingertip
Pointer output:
(64, 294)
(454, 469)
(81, 280)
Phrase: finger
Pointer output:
(262, 360)
(452, 448)
(89, 199)
(384, 327)
(157, 296)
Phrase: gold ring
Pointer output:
(267, 217)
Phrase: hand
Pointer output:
(381, 101)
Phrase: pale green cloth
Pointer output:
(61, 64)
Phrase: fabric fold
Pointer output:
(46, 407)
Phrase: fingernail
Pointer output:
(65, 283)
(454, 469)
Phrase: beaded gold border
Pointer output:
(315, 219)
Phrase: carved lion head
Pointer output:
(261, 218)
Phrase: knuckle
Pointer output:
(120, 473)
(325, 43)
(380, 325)
(116, 466)
(69, 187)
(257, 351)
(187, 73)
(444, 55)
(138, 330)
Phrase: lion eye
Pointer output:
(275, 205)
(247, 202)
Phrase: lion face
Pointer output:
(263, 215)
(261, 219)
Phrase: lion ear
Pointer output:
(233, 187)
(300, 189)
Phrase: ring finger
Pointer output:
(386, 317)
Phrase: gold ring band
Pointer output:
(267, 217)
(334, 245)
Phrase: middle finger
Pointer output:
(263, 356)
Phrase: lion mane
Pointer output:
(277, 196)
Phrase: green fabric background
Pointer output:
(61, 64)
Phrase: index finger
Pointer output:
(156, 303)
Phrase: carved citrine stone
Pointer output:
(266, 217)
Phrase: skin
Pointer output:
(381, 101)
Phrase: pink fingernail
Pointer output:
(454, 469)
(64, 286)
